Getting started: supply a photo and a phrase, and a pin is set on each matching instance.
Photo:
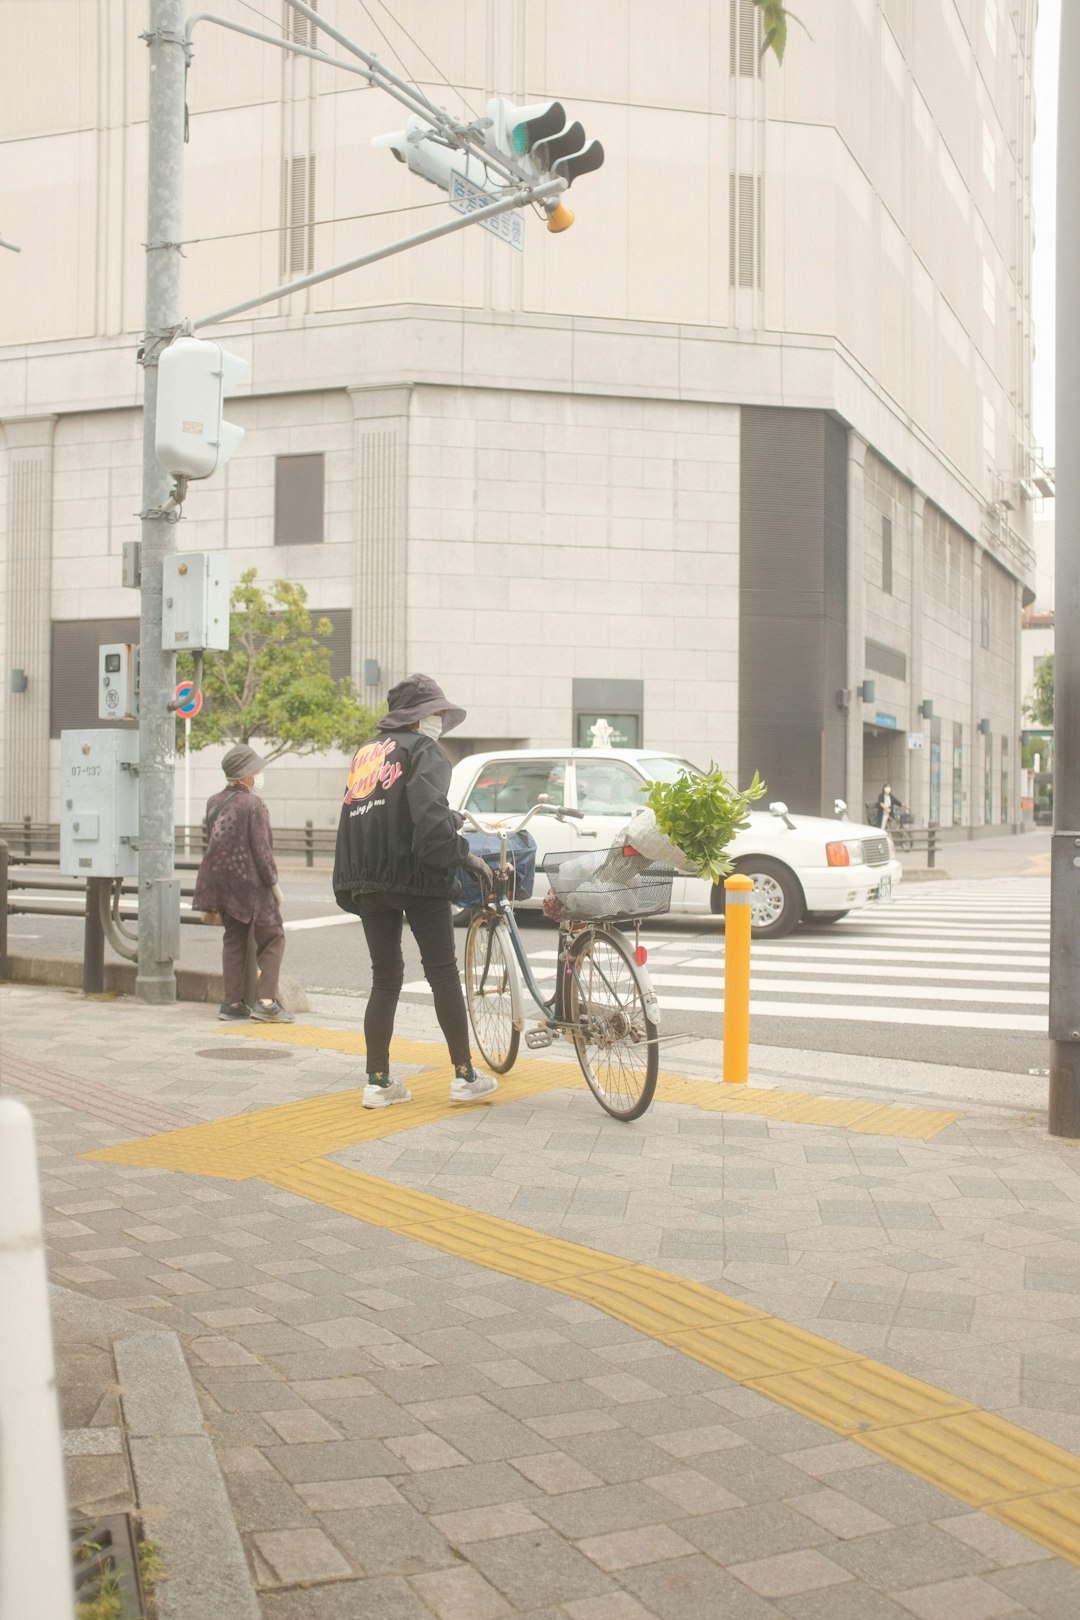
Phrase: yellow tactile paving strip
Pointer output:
(972, 1455)
(533, 1075)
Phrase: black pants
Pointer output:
(433, 929)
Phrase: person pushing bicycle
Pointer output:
(399, 849)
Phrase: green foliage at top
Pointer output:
(774, 21)
(701, 815)
(1040, 708)
(274, 683)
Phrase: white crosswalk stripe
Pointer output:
(963, 955)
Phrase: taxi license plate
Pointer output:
(884, 890)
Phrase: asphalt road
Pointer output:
(981, 943)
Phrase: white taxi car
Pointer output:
(805, 868)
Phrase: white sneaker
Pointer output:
(467, 1091)
(383, 1096)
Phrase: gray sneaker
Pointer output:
(385, 1096)
(274, 1013)
(233, 1012)
(467, 1091)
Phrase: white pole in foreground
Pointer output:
(187, 784)
(36, 1581)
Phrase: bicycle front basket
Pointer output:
(604, 885)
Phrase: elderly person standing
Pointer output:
(238, 878)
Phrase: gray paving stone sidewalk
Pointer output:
(405, 1434)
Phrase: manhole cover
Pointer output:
(239, 1054)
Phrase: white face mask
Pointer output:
(431, 726)
(258, 782)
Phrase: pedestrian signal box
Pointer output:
(118, 681)
(99, 803)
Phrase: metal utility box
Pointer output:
(195, 601)
(118, 681)
(99, 803)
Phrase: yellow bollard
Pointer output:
(737, 893)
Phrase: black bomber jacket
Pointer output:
(397, 834)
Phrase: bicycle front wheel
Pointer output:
(488, 970)
(613, 1035)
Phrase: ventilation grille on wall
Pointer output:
(744, 230)
(298, 215)
(746, 38)
(298, 28)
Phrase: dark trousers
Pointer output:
(269, 950)
(432, 925)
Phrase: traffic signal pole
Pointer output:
(159, 892)
(1065, 843)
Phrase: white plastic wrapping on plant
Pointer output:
(642, 833)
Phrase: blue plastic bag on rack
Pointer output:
(520, 852)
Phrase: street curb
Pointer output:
(192, 984)
(179, 1486)
(924, 874)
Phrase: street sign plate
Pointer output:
(188, 701)
(465, 198)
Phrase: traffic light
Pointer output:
(541, 142)
(420, 146)
(191, 437)
(540, 134)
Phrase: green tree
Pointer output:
(774, 21)
(274, 683)
(1040, 707)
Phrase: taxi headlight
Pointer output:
(848, 853)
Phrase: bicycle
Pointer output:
(603, 1000)
(899, 827)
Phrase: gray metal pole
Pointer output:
(1065, 843)
(159, 890)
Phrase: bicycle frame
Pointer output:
(552, 1007)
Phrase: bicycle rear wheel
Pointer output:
(488, 970)
(613, 1035)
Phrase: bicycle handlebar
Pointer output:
(558, 810)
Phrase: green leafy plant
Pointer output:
(701, 815)
(274, 683)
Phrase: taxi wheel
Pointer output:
(776, 905)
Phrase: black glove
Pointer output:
(481, 871)
(458, 819)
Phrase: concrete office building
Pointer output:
(753, 434)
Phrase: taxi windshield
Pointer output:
(665, 768)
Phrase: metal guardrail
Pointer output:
(27, 838)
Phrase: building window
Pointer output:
(1004, 779)
(745, 39)
(988, 781)
(984, 624)
(958, 774)
(298, 214)
(886, 555)
(299, 500)
(935, 771)
(745, 239)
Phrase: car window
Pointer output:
(607, 788)
(664, 768)
(515, 785)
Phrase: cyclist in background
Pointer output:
(889, 807)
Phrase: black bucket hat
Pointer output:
(414, 699)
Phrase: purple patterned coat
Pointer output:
(238, 869)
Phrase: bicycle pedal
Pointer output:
(535, 1038)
